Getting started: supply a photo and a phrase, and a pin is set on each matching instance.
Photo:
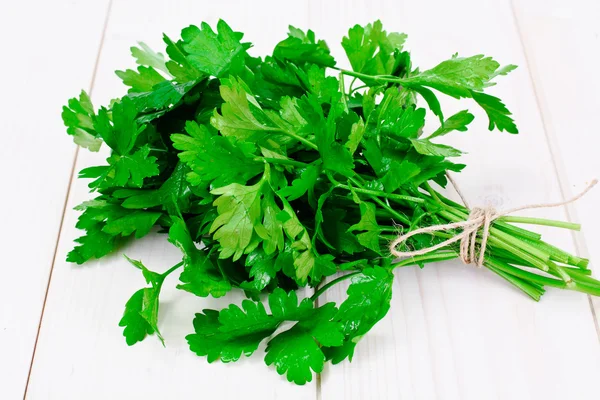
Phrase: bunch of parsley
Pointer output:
(273, 173)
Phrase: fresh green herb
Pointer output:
(273, 174)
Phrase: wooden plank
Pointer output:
(81, 353)
(455, 332)
(562, 44)
(49, 52)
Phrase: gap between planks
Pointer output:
(66, 202)
(578, 240)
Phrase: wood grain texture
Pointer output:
(563, 52)
(455, 332)
(81, 352)
(49, 50)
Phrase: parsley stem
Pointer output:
(539, 251)
(432, 257)
(326, 286)
(519, 248)
(389, 209)
(379, 193)
(281, 161)
(526, 236)
(295, 136)
(533, 290)
(441, 255)
(378, 78)
(173, 268)
(351, 84)
(541, 221)
(496, 234)
(373, 197)
(357, 88)
(500, 223)
(388, 229)
(509, 243)
(536, 254)
(343, 91)
(585, 288)
(526, 275)
(434, 194)
(581, 276)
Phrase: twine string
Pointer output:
(480, 218)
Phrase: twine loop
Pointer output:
(480, 219)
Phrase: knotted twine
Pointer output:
(480, 218)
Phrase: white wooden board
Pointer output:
(48, 53)
(85, 303)
(563, 49)
(454, 332)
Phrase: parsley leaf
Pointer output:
(199, 276)
(335, 229)
(240, 215)
(228, 343)
(105, 223)
(426, 147)
(336, 157)
(94, 244)
(296, 352)
(215, 159)
(122, 171)
(305, 260)
(141, 81)
(174, 191)
(263, 270)
(247, 213)
(243, 117)
(121, 130)
(305, 183)
(368, 223)
(368, 301)
(325, 88)
(300, 47)
(371, 50)
(398, 174)
(458, 122)
(466, 77)
(496, 111)
(458, 76)
(141, 311)
(394, 119)
(357, 132)
(136, 326)
(215, 54)
(78, 117)
(145, 56)
(401, 122)
(234, 331)
(162, 97)
(178, 65)
(127, 167)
